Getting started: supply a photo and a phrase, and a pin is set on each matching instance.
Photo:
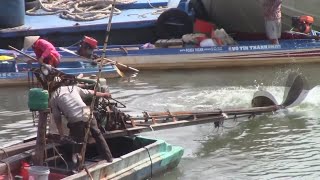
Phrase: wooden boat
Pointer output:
(244, 54)
(136, 18)
(17, 74)
(135, 157)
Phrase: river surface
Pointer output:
(283, 145)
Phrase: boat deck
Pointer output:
(135, 15)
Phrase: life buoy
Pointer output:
(173, 23)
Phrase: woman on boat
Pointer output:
(44, 50)
(272, 16)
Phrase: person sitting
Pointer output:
(44, 50)
(68, 100)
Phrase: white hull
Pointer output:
(247, 15)
(216, 60)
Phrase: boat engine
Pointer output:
(106, 111)
(302, 23)
(87, 46)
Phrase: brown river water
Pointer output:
(283, 145)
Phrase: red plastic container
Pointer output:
(205, 27)
(24, 171)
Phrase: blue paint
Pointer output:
(13, 70)
(136, 15)
(245, 46)
(11, 13)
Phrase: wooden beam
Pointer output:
(16, 149)
(41, 139)
(15, 160)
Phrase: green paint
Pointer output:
(38, 99)
(168, 153)
(171, 156)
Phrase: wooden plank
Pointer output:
(16, 149)
(41, 139)
(15, 160)
(215, 112)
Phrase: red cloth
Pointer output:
(47, 51)
(204, 27)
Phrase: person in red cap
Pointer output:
(44, 50)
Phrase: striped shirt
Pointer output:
(272, 9)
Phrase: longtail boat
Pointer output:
(135, 157)
(244, 54)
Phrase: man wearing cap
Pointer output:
(44, 50)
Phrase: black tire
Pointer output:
(29, 4)
(173, 23)
(199, 10)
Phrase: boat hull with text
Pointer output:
(249, 53)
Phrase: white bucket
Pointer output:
(39, 173)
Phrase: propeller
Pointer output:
(296, 90)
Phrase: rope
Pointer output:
(78, 10)
(5, 152)
(83, 149)
(9, 170)
(89, 174)
(56, 150)
(151, 167)
(158, 11)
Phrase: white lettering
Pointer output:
(189, 50)
(199, 49)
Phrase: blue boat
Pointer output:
(18, 74)
(245, 53)
(134, 24)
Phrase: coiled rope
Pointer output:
(77, 10)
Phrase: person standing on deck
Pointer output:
(68, 100)
(272, 16)
(44, 50)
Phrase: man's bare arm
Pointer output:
(101, 94)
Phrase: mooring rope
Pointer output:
(158, 11)
(5, 153)
(8, 169)
(77, 10)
